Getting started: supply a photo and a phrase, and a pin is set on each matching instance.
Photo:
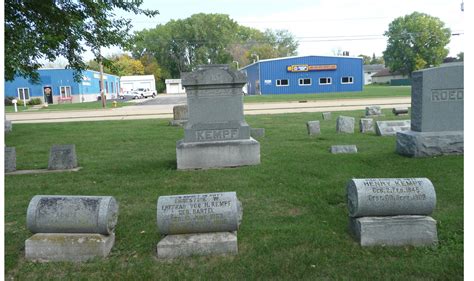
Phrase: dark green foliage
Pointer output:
(34, 101)
(295, 216)
(37, 30)
(415, 41)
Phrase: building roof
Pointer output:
(373, 67)
(137, 77)
(295, 57)
(386, 72)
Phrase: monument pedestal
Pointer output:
(215, 154)
(425, 144)
(68, 246)
(197, 244)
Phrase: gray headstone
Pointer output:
(391, 128)
(72, 214)
(10, 159)
(367, 125)
(216, 134)
(418, 144)
(336, 149)
(390, 197)
(8, 126)
(394, 231)
(373, 110)
(400, 111)
(180, 112)
(198, 213)
(437, 99)
(62, 157)
(326, 115)
(257, 132)
(345, 124)
(314, 128)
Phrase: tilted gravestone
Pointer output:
(10, 159)
(366, 125)
(392, 127)
(70, 228)
(345, 124)
(373, 111)
(392, 211)
(216, 134)
(198, 224)
(314, 128)
(437, 113)
(180, 115)
(62, 157)
(326, 115)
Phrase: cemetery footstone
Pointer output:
(10, 159)
(198, 224)
(373, 111)
(345, 124)
(62, 157)
(326, 115)
(391, 128)
(337, 149)
(392, 211)
(8, 126)
(437, 113)
(216, 134)
(70, 228)
(314, 128)
(366, 125)
(400, 111)
(257, 132)
(180, 115)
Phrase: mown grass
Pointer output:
(69, 106)
(295, 215)
(370, 91)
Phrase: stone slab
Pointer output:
(41, 171)
(68, 246)
(313, 127)
(373, 111)
(178, 123)
(10, 159)
(390, 197)
(345, 124)
(257, 132)
(62, 157)
(185, 245)
(338, 149)
(205, 155)
(427, 144)
(326, 115)
(366, 125)
(394, 231)
(391, 128)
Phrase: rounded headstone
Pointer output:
(390, 197)
(72, 214)
(198, 213)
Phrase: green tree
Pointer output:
(376, 60)
(36, 30)
(415, 41)
(366, 59)
(461, 56)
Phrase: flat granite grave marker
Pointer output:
(392, 211)
(337, 149)
(391, 128)
(198, 224)
(366, 125)
(10, 159)
(373, 111)
(216, 134)
(70, 228)
(62, 157)
(180, 115)
(345, 124)
(437, 113)
(314, 128)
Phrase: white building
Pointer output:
(129, 83)
(174, 86)
(370, 70)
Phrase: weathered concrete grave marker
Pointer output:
(345, 124)
(338, 149)
(180, 115)
(62, 157)
(373, 111)
(366, 125)
(216, 134)
(326, 115)
(198, 224)
(10, 159)
(313, 127)
(70, 228)
(437, 113)
(392, 127)
(392, 211)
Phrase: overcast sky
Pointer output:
(321, 27)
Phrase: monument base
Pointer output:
(197, 244)
(424, 144)
(68, 246)
(177, 123)
(394, 230)
(216, 154)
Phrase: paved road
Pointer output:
(148, 110)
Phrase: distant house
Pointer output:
(174, 86)
(56, 85)
(385, 76)
(129, 83)
(370, 70)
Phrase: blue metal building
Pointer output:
(304, 75)
(59, 85)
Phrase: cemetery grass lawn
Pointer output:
(370, 91)
(295, 215)
(69, 106)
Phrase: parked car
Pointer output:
(145, 93)
(130, 95)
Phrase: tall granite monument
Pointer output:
(216, 134)
(437, 113)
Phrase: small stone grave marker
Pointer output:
(10, 159)
(338, 149)
(390, 128)
(345, 124)
(62, 157)
(366, 125)
(313, 127)
(326, 115)
(180, 115)
(373, 111)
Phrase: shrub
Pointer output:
(34, 101)
(8, 100)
